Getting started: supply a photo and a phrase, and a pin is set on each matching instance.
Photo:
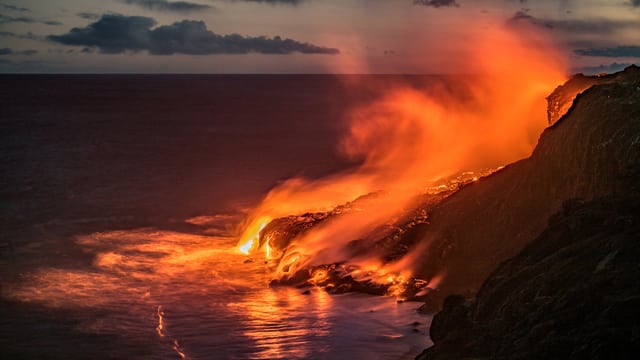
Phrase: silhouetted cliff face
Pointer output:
(590, 152)
(561, 99)
(573, 293)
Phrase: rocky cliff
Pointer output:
(591, 152)
(572, 292)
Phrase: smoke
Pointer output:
(411, 138)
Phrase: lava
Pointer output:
(410, 141)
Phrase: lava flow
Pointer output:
(409, 142)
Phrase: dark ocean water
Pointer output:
(120, 199)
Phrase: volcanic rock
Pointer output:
(573, 293)
(591, 152)
(561, 99)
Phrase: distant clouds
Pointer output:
(165, 5)
(88, 16)
(14, 8)
(289, 2)
(8, 51)
(619, 51)
(438, 3)
(115, 34)
(600, 26)
(4, 19)
(27, 36)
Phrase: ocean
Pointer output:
(121, 201)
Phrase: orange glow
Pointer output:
(411, 139)
(160, 327)
(251, 237)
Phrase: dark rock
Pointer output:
(561, 99)
(589, 153)
(554, 300)
(453, 318)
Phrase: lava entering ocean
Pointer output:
(409, 143)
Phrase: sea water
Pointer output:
(121, 201)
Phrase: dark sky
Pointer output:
(298, 36)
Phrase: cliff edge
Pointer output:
(591, 152)
(570, 289)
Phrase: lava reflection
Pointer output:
(286, 323)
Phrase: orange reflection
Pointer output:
(287, 311)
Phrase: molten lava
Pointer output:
(409, 142)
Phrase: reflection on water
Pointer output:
(194, 297)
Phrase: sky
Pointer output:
(299, 36)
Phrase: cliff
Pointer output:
(570, 288)
(591, 152)
(573, 293)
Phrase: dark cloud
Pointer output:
(27, 36)
(437, 3)
(8, 51)
(593, 26)
(115, 34)
(165, 5)
(14, 8)
(618, 51)
(111, 34)
(25, 19)
(273, 2)
(88, 16)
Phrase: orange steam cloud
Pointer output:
(410, 139)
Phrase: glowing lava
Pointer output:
(251, 236)
(413, 137)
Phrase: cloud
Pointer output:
(274, 2)
(114, 34)
(8, 51)
(23, 19)
(88, 16)
(27, 36)
(437, 3)
(618, 51)
(4, 19)
(599, 26)
(164, 5)
(14, 7)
